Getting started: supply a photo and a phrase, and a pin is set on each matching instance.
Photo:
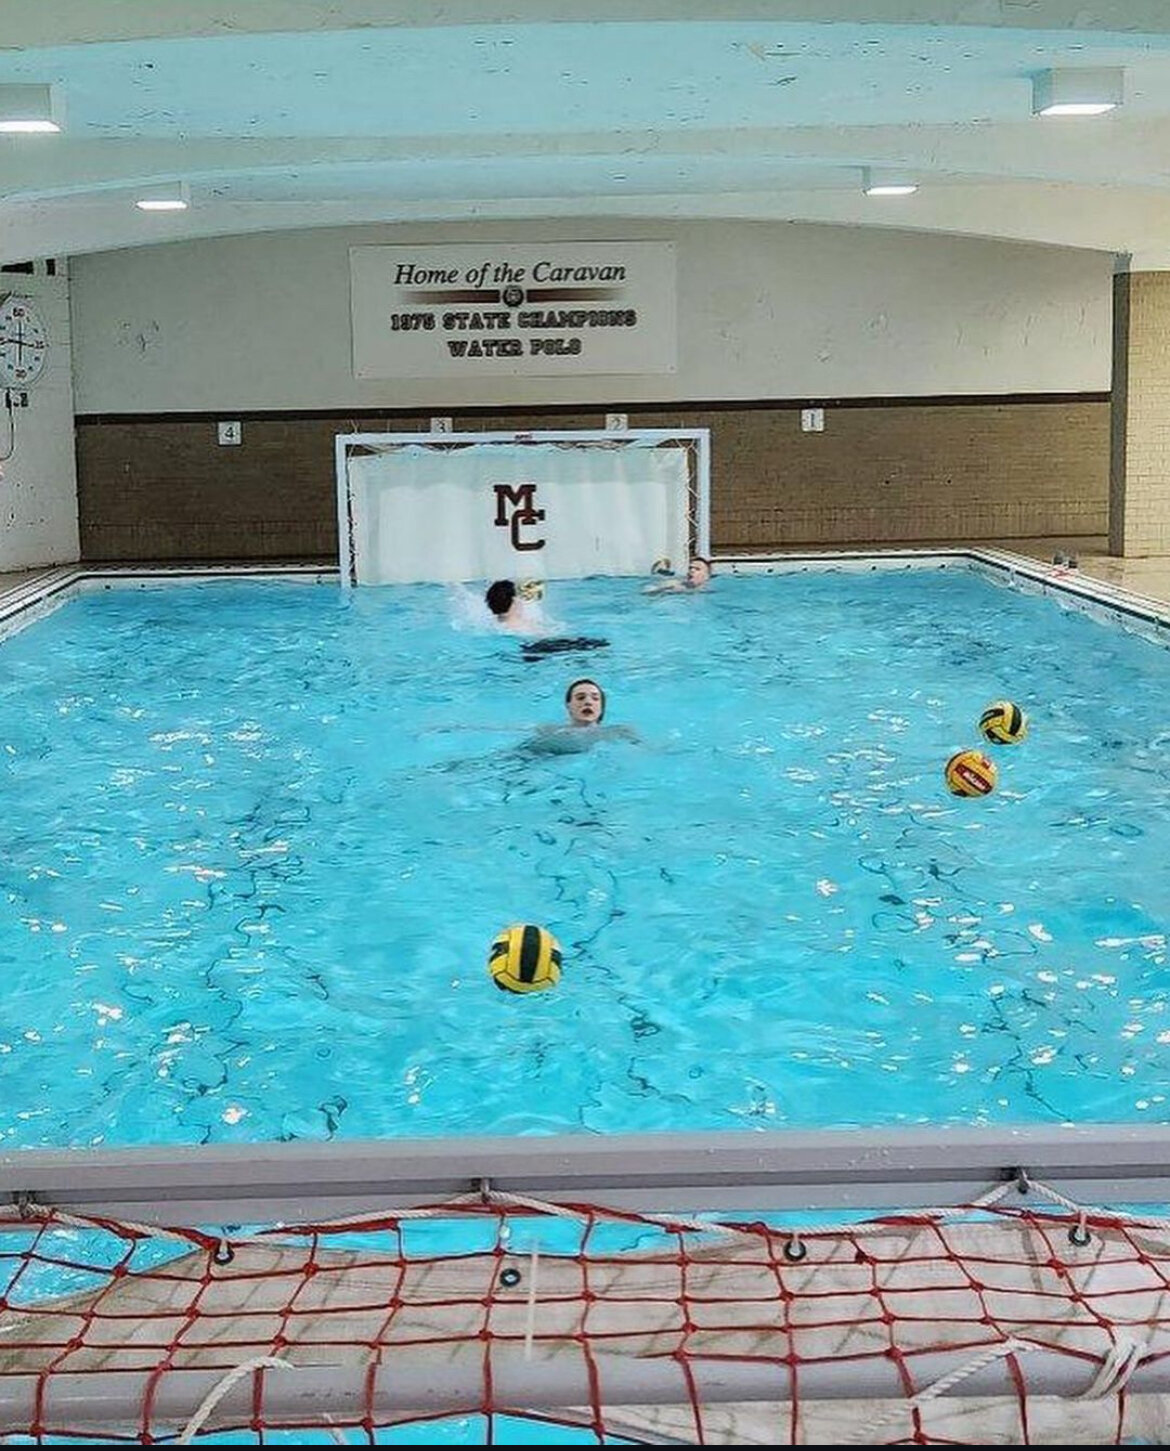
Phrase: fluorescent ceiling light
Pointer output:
(1076, 92)
(17, 126)
(875, 183)
(171, 196)
(28, 109)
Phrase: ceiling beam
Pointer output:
(1096, 218)
(24, 25)
(1024, 150)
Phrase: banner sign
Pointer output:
(510, 310)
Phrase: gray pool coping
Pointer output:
(39, 593)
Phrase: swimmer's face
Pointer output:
(698, 573)
(584, 703)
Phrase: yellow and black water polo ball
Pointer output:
(1003, 723)
(662, 566)
(525, 959)
(970, 773)
(531, 589)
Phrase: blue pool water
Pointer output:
(258, 838)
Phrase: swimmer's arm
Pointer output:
(596, 732)
(673, 587)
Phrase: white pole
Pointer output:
(344, 522)
(439, 1379)
(704, 521)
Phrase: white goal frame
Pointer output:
(310, 1189)
(699, 500)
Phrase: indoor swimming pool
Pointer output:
(259, 837)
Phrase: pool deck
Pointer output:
(1148, 576)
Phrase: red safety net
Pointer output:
(991, 1326)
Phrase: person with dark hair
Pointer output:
(500, 597)
(507, 602)
(503, 599)
(585, 704)
(698, 577)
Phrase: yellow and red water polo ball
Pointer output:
(970, 773)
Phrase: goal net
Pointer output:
(982, 1324)
(445, 507)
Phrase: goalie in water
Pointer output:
(698, 577)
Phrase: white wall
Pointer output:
(38, 490)
(766, 311)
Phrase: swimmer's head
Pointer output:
(500, 597)
(585, 701)
(698, 572)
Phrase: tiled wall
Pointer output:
(162, 488)
(1141, 453)
(912, 474)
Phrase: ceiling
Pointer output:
(288, 114)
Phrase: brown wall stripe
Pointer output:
(917, 470)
